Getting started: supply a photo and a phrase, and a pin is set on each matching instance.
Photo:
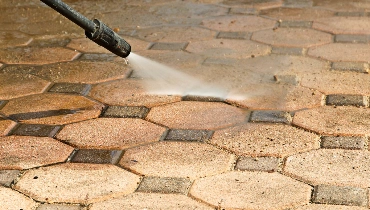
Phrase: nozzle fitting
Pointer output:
(110, 40)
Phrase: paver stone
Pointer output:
(11, 199)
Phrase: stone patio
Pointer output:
(80, 130)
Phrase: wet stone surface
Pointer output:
(96, 156)
(36, 130)
(126, 111)
(81, 89)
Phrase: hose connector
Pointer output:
(110, 40)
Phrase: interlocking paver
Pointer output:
(329, 120)
(233, 35)
(71, 88)
(151, 201)
(238, 23)
(297, 14)
(351, 196)
(164, 185)
(295, 24)
(77, 183)
(23, 152)
(36, 130)
(13, 38)
(351, 66)
(258, 4)
(84, 72)
(59, 26)
(25, 14)
(129, 93)
(7, 177)
(16, 85)
(58, 207)
(126, 111)
(251, 190)
(228, 48)
(349, 38)
(96, 156)
(5, 126)
(342, 5)
(256, 139)
(110, 133)
(288, 50)
(342, 52)
(10, 199)
(55, 109)
(269, 164)
(344, 142)
(343, 25)
(292, 37)
(335, 167)
(177, 159)
(188, 135)
(271, 116)
(197, 115)
(330, 207)
(174, 46)
(347, 100)
(50, 41)
(36, 55)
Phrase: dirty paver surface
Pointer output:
(80, 129)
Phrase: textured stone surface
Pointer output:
(96, 156)
(341, 52)
(177, 159)
(351, 66)
(343, 25)
(84, 72)
(330, 207)
(151, 201)
(351, 196)
(269, 164)
(347, 100)
(331, 167)
(255, 139)
(5, 126)
(292, 37)
(126, 111)
(238, 23)
(342, 120)
(296, 24)
(58, 207)
(188, 135)
(110, 133)
(349, 38)
(51, 109)
(7, 177)
(23, 152)
(71, 88)
(288, 50)
(233, 35)
(36, 130)
(297, 14)
(164, 185)
(265, 190)
(15, 85)
(13, 38)
(36, 55)
(77, 183)
(197, 115)
(343, 142)
(10, 199)
(169, 46)
(271, 116)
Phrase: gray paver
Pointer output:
(352, 196)
(36, 130)
(269, 164)
(96, 156)
(164, 185)
(296, 24)
(344, 142)
(271, 116)
(7, 177)
(168, 46)
(288, 50)
(126, 111)
(188, 135)
(234, 35)
(352, 38)
(81, 89)
(347, 100)
(351, 66)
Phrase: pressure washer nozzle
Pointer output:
(107, 38)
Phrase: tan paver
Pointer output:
(342, 52)
(292, 37)
(84, 72)
(329, 120)
(251, 190)
(177, 159)
(16, 85)
(331, 167)
(227, 48)
(13, 38)
(256, 139)
(110, 133)
(59, 26)
(343, 5)
(343, 25)
(238, 23)
(23, 152)
(11, 199)
(36, 55)
(197, 115)
(129, 93)
(6, 126)
(77, 183)
(297, 14)
(330, 207)
(17, 13)
(258, 4)
(151, 201)
(175, 34)
(53, 109)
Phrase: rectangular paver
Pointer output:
(271, 116)
(96, 156)
(347, 100)
(340, 195)
(234, 35)
(269, 164)
(361, 67)
(189, 135)
(73, 88)
(296, 24)
(169, 46)
(164, 185)
(36, 130)
(126, 111)
(344, 142)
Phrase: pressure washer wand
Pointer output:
(95, 30)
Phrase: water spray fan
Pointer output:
(95, 30)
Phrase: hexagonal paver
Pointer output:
(331, 167)
(197, 115)
(36, 55)
(338, 82)
(227, 48)
(129, 93)
(256, 139)
(5, 126)
(16, 85)
(87, 46)
(238, 23)
(297, 14)
(84, 72)
(110, 133)
(53, 109)
(343, 25)
(340, 120)
(13, 38)
(342, 52)
(329, 207)
(23, 152)
(175, 34)
(151, 201)
(251, 190)
(60, 26)
(292, 37)
(11, 199)
(25, 14)
(77, 183)
(177, 159)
